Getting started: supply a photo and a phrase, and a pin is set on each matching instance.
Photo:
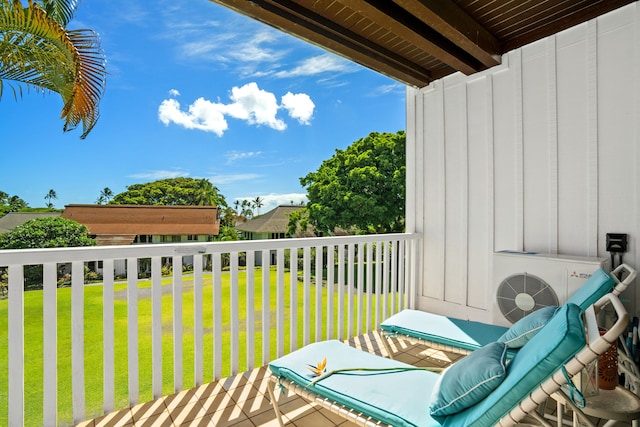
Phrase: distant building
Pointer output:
(144, 224)
(271, 225)
(14, 219)
(131, 224)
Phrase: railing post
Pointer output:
(177, 324)
(250, 310)
(109, 336)
(156, 325)
(16, 345)
(132, 329)
(77, 340)
(50, 350)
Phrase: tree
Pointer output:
(172, 191)
(11, 203)
(51, 195)
(52, 232)
(362, 187)
(105, 195)
(246, 209)
(39, 52)
(205, 193)
(257, 203)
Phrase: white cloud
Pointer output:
(255, 105)
(174, 92)
(202, 115)
(317, 65)
(252, 50)
(299, 105)
(390, 88)
(249, 103)
(233, 156)
(159, 174)
(228, 179)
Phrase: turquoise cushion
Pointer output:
(599, 284)
(397, 397)
(469, 380)
(537, 360)
(464, 334)
(524, 329)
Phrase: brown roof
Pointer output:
(418, 41)
(139, 219)
(274, 221)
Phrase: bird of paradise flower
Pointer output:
(318, 369)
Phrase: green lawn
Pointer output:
(94, 333)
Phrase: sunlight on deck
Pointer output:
(242, 400)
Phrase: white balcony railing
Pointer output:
(237, 322)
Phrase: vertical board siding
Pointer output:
(537, 154)
(434, 197)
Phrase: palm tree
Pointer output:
(51, 195)
(39, 52)
(16, 203)
(105, 195)
(205, 193)
(257, 203)
(246, 209)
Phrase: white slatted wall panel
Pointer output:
(539, 154)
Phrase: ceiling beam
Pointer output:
(456, 25)
(397, 21)
(288, 17)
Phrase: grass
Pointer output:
(93, 301)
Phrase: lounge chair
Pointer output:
(371, 390)
(463, 336)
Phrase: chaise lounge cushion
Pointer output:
(599, 284)
(469, 380)
(457, 333)
(524, 329)
(537, 360)
(397, 397)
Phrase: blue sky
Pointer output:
(199, 91)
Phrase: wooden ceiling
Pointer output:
(418, 41)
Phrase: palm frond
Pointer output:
(60, 10)
(37, 51)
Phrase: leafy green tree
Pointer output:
(298, 222)
(205, 193)
(362, 187)
(53, 232)
(38, 51)
(11, 203)
(172, 191)
(51, 195)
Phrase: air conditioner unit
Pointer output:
(526, 281)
